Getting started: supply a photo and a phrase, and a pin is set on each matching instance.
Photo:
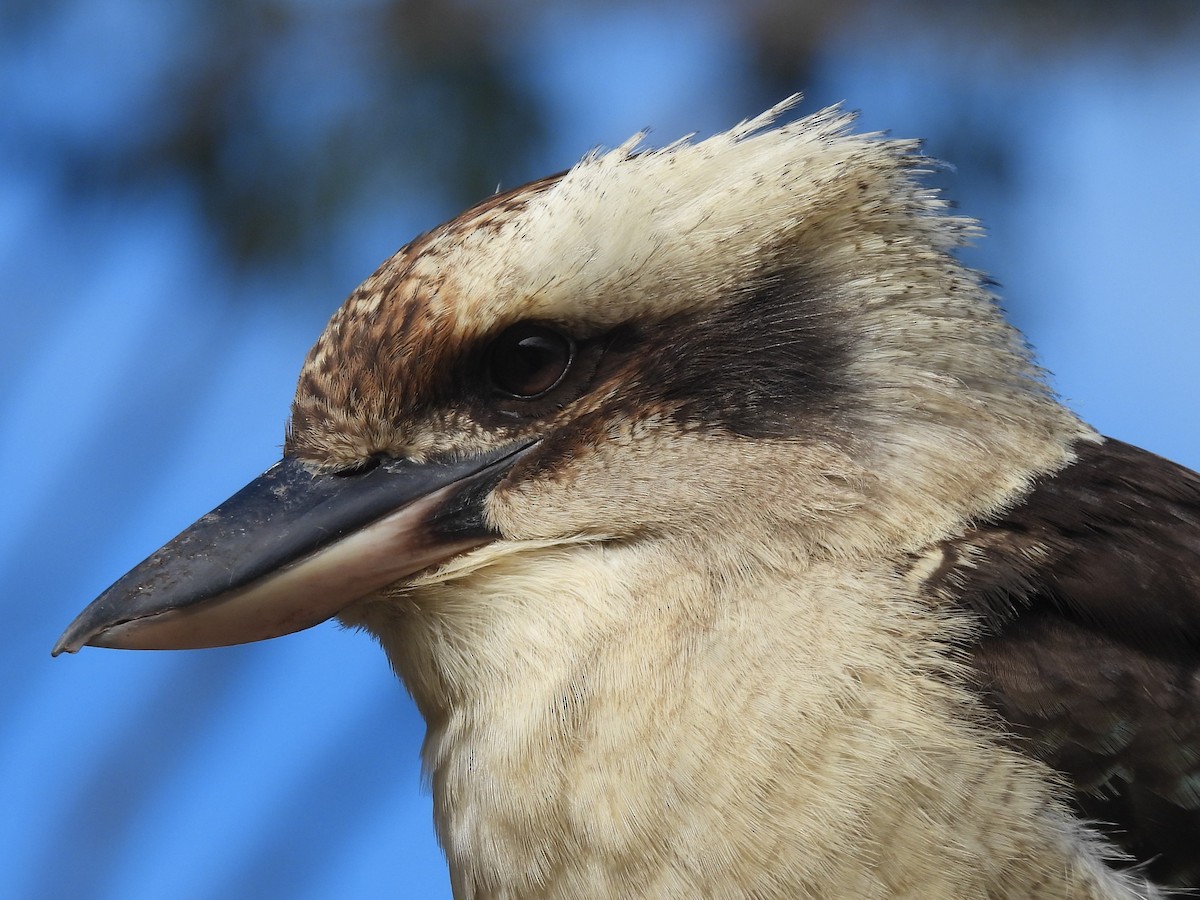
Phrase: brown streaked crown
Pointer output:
(390, 350)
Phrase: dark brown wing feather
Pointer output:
(1089, 593)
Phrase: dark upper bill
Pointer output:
(292, 549)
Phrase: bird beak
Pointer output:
(292, 549)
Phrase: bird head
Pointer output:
(742, 353)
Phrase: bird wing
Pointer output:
(1089, 596)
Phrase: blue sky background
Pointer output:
(145, 378)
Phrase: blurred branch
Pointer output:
(277, 117)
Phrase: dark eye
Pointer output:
(528, 359)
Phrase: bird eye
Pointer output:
(527, 360)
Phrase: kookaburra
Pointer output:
(731, 544)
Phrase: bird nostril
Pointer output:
(362, 467)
